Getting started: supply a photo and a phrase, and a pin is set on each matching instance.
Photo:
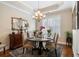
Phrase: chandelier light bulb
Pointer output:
(44, 15)
(38, 12)
(41, 14)
(33, 16)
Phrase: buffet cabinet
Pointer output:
(16, 40)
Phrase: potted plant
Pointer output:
(49, 32)
(68, 38)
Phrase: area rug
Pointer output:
(28, 53)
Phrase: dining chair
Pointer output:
(53, 46)
(52, 39)
(27, 44)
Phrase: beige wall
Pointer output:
(66, 22)
(5, 21)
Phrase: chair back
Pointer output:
(27, 34)
(56, 40)
(54, 37)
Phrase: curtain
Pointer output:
(53, 23)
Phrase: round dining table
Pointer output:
(40, 41)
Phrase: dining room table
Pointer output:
(40, 41)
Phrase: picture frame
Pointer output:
(18, 23)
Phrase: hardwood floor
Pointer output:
(66, 52)
(6, 53)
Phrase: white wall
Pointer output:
(75, 46)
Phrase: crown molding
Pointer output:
(17, 8)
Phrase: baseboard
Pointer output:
(61, 43)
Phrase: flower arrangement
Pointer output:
(42, 27)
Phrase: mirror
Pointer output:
(19, 23)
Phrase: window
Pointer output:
(31, 25)
(53, 23)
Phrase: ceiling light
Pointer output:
(38, 14)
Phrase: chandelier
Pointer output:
(38, 14)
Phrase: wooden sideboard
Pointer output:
(16, 40)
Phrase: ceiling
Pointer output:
(29, 7)
(42, 4)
